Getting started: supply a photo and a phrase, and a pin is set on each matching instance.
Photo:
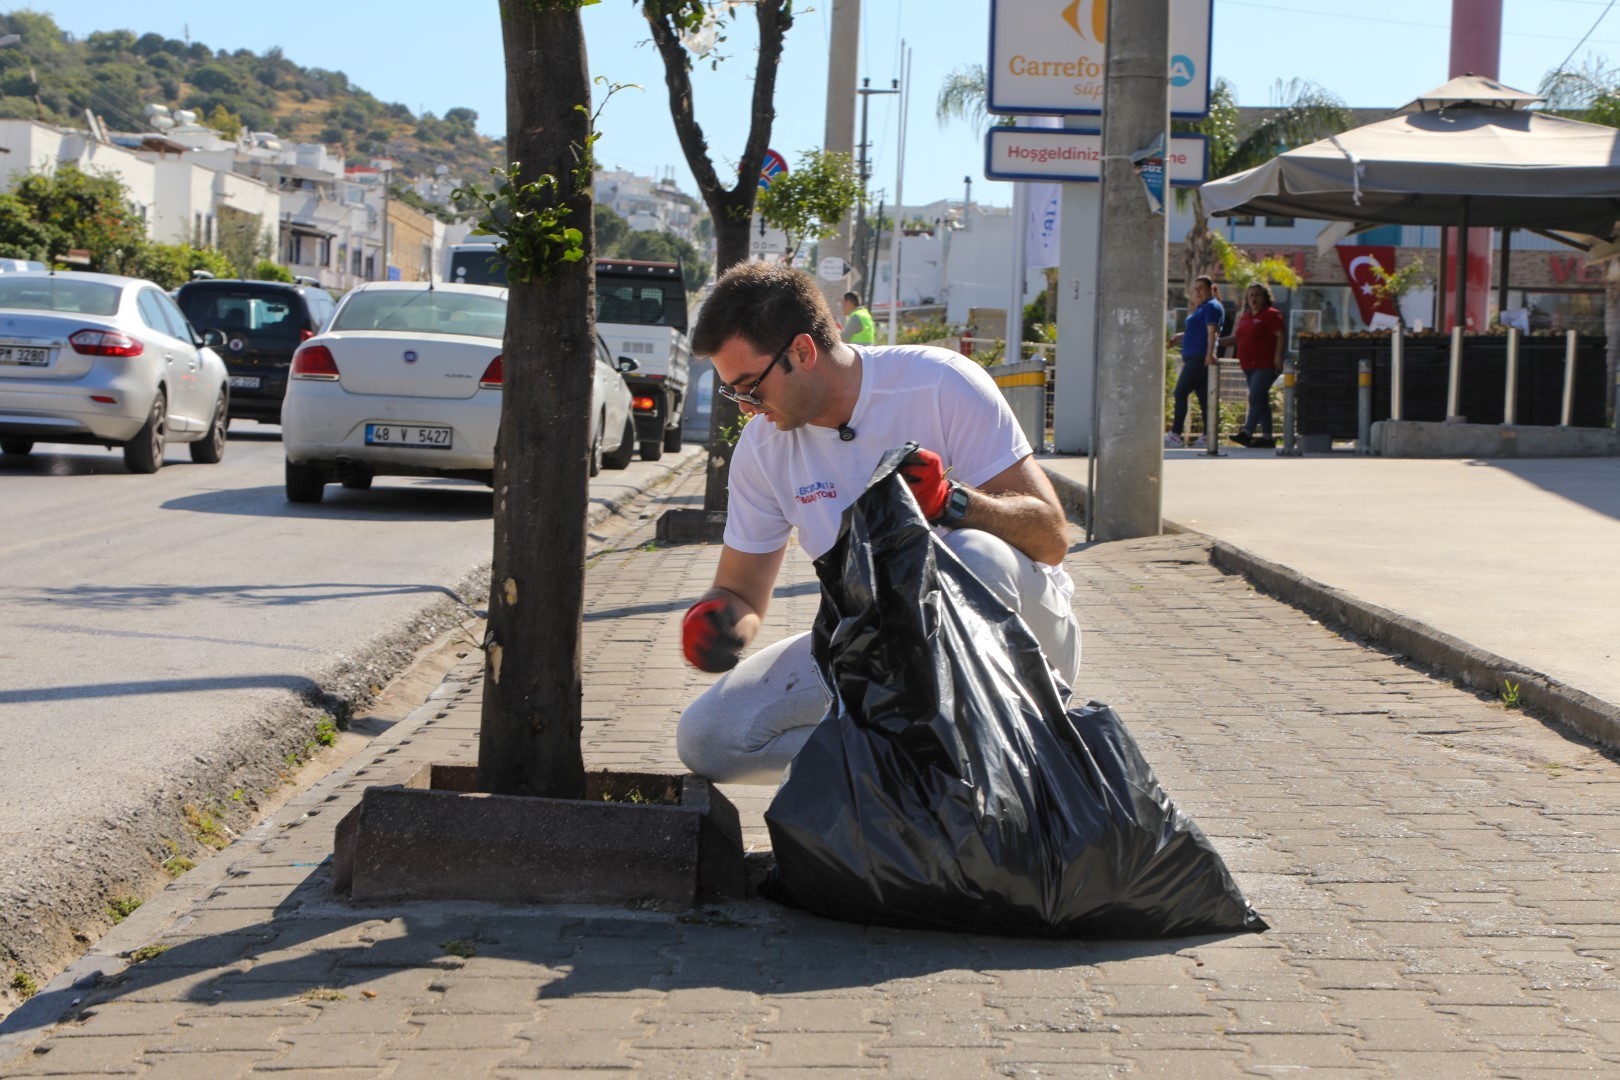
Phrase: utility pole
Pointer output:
(864, 172)
(843, 55)
(1127, 495)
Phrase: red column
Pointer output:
(1476, 48)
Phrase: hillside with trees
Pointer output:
(117, 73)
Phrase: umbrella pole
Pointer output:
(1462, 267)
(1502, 282)
(1440, 290)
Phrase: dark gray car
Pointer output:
(263, 323)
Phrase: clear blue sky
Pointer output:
(436, 56)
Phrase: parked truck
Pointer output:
(640, 313)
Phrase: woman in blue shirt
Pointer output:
(1200, 344)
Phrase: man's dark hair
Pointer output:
(854, 298)
(767, 304)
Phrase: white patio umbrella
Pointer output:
(1469, 153)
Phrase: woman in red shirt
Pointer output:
(1259, 336)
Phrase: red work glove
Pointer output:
(925, 472)
(709, 638)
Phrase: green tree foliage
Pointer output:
(270, 270)
(170, 265)
(809, 201)
(91, 211)
(1242, 270)
(224, 121)
(616, 240)
(22, 236)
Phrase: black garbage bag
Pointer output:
(950, 786)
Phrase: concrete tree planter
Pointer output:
(436, 837)
(687, 526)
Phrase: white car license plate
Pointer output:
(244, 382)
(23, 356)
(428, 438)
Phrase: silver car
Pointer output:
(105, 360)
(406, 381)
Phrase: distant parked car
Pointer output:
(106, 360)
(406, 381)
(262, 323)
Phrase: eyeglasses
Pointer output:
(746, 397)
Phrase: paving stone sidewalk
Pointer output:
(1439, 871)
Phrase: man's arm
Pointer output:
(744, 581)
(1019, 505)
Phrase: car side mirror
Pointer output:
(626, 364)
(213, 337)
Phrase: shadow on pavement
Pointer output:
(158, 596)
(1591, 482)
(295, 683)
(315, 949)
(427, 501)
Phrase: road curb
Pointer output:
(1408, 638)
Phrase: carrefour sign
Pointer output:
(1050, 56)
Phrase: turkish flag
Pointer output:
(1360, 266)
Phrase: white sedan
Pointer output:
(105, 360)
(406, 381)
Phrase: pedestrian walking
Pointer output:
(1200, 346)
(858, 326)
(1259, 337)
(823, 413)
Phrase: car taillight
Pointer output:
(643, 404)
(314, 362)
(105, 343)
(492, 375)
(305, 335)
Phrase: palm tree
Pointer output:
(1301, 113)
(962, 96)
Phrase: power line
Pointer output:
(1581, 42)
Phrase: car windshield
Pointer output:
(59, 294)
(424, 311)
(260, 314)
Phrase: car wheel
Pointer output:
(672, 439)
(16, 447)
(620, 458)
(596, 447)
(305, 483)
(360, 482)
(652, 449)
(209, 449)
(144, 453)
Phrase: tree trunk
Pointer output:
(732, 208)
(529, 742)
(1197, 252)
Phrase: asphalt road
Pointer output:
(150, 621)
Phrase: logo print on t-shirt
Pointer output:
(821, 489)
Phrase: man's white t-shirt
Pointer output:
(806, 478)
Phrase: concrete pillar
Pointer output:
(843, 57)
(1128, 496)
(1476, 46)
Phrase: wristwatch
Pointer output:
(956, 505)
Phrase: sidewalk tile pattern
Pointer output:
(1440, 873)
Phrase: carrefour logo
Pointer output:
(1082, 14)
